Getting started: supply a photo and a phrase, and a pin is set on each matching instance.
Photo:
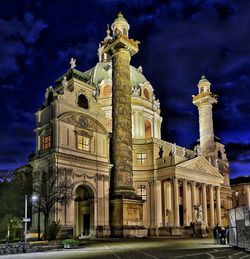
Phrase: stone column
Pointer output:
(121, 113)
(204, 202)
(163, 203)
(248, 196)
(185, 208)
(125, 206)
(218, 205)
(193, 195)
(211, 198)
(176, 202)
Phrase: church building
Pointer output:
(102, 127)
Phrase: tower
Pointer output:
(204, 100)
(126, 206)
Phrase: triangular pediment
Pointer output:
(201, 167)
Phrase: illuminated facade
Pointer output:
(74, 129)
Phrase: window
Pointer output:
(47, 142)
(148, 131)
(146, 93)
(219, 154)
(142, 192)
(83, 143)
(83, 101)
(106, 91)
(124, 31)
(141, 158)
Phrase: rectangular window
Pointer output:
(141, 158)
(142, 192)
(47, 142)
(83, 143)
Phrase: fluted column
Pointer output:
(204, 202)
(176, 202)
(218, 205)
(185, 209)
(211, 198)
(193, 195)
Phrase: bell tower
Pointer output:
(204, 100)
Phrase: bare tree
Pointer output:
(52, 186)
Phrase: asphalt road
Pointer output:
(143, 249)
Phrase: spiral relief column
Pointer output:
(126, 207)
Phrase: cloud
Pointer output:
(17, 38)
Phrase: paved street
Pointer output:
(143, 248)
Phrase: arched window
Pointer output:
(219, 154)
(148, 130)
(124, 31)
(146, 93)
(83, 101)
(116, 31)
(106, 91)
(201, 90)
(50, 98)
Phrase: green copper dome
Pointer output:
(103, 70)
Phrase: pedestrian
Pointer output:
(227, 234)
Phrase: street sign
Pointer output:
(26, 219)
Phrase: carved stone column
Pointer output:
(218, 205)
(193, 195)
(185, 208)
(126, 206)
(176, 202)
(211, 198)
(204, 202)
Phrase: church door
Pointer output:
(86, 224)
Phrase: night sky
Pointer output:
(180, 41)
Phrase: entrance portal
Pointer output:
(84, 211)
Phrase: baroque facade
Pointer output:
(103, 127)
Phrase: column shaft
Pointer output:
(185, 208)
(193, 194)
(218, 205)
(211, 200)
(176, 202)
(248, 196)
(121, 118)
(204, 203)
(163, 203)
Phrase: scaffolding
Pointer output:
(239, 227)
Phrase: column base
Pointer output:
(200, 229)
(126, 218)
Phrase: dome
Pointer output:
(103, 70)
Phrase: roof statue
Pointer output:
(72, 63)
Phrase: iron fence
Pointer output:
(239, 227)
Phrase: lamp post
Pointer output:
(26, 219)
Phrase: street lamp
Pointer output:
(26, 219)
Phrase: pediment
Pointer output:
(201, 167)
(83, 121)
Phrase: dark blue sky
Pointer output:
(180, 41)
